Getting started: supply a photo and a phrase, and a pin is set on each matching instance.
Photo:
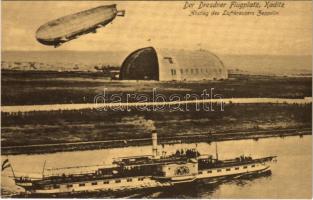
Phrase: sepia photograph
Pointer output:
(156, 99)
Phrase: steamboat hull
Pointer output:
(144, 172)
(118, 185)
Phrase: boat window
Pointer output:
(200, 172)
(181, 71)
(94, 183)
(56, 186)
(219, 170)
(105, 182)
(209, 171)
(252, 165)
(69, 185)
(237, 168)
(170, 59)
(81, 184)
(117, 181)
(228, 169)
(129, 180)
(140, 179)
(245, 167)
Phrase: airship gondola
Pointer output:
(72, 26)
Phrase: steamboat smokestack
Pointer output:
(154, 143)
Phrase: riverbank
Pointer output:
(211, 137)
(51, 131)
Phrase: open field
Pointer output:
(68, 130)
(33, 88)
(92, 129)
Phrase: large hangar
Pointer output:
(167, 65)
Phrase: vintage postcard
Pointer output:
(156, 99)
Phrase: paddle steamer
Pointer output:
(128, 173)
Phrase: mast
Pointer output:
(12, 171)
(43, 169)
(154, 143)
(216, 153)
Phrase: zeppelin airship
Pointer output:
(70, 27)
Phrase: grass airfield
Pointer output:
(90, 129)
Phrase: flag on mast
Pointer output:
(5, 164)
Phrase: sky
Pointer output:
(164, 25)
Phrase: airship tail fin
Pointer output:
(120, 13)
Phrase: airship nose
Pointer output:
(40, 37)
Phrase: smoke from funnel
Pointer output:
(149, 127)
(141, 122)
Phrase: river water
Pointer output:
(291, 176)
(78, 106)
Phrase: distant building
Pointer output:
(167, 65)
